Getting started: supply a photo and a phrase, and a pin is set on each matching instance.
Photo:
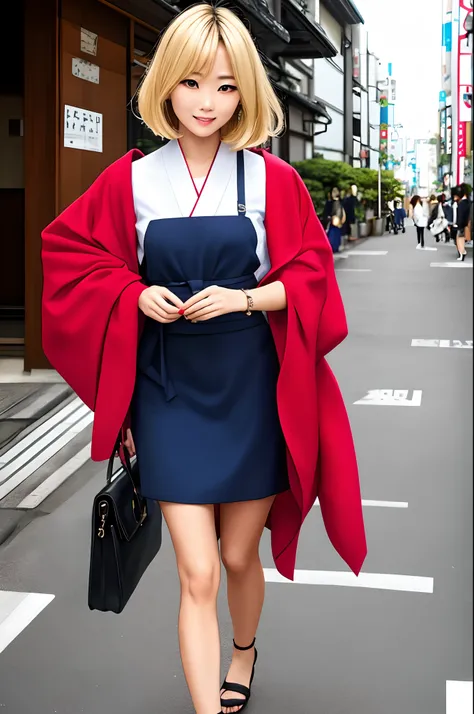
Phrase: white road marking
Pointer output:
(377, 581)
(49, 438)
(10, 484)
(17, 611)
(368, 252)
(53, 482)
(354, 270)
(459, 698)
(340, 256)
(451, 265)
(44, 428)
(391, 398)
(377, 504)
(455, 344)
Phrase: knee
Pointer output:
(200, 582)
(238, 562)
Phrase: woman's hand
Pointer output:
(155, 302)
(129, 443)
(212, 302)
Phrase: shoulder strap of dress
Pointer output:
(241, 208)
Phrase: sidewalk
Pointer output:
(25, 398)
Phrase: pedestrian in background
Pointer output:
(334, 219)
(350, 204)
(461, 221)
(420, 220)
(438, 223)
(399, 217)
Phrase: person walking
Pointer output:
(463, 213)
(399, 217)
(179, 291)
(438, 223)
(419, 219)
(334, 219)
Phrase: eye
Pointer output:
(191, 83)
(228, 88)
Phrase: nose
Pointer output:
(207, 105)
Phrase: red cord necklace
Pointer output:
(198, 193)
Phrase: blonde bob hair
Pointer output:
(189, 45)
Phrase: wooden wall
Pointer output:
(78, 168)
(40, 143)
(54, 175)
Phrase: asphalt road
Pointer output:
(386, 644)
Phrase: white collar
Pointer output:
(182, 185)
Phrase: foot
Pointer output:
(240, 672)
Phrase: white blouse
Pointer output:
(163, 188)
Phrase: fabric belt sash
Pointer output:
(152, 356)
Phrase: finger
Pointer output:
(159, 316)
(205, 310)
(171, 297)
(204, 303)
(208, 316)
(197, 297)
(165, 305)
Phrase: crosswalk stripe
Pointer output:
(27, 454)
(451, 265)
(53, 482)
(17, 611)
(368, 252)
(376, 504)
(37, 433)
(459, 697)
(20, 476)
(378, 581)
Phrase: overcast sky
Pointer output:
(408, 34)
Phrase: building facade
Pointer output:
(455, 110)
(341, 84)
(66, 114)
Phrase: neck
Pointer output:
(198, 150)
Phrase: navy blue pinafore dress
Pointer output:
(204, 412)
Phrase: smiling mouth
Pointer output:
(205, 120)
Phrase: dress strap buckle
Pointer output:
(241, 208)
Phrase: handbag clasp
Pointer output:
(103, 512)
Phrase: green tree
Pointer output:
(322, 175)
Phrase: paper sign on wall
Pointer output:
(85, 70)
(89, 42)
(82, 129)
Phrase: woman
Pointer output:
(231, 408)
(420, 220)
(438, 223)
(335, 218)
(462, 211)
(399, 217)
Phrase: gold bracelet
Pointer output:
(249, 302)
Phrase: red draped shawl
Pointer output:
(91, 327)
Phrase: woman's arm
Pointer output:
(214, 301)
(269, 297)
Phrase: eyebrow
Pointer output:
(221, 76)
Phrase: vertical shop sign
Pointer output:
(464, 88)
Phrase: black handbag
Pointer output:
(126, 536)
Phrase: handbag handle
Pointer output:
(126, 463)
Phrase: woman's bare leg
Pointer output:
(193, 533)
(241, 527)
(461, 244)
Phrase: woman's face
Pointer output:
(204, 105)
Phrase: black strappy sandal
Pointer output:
(239, 688)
